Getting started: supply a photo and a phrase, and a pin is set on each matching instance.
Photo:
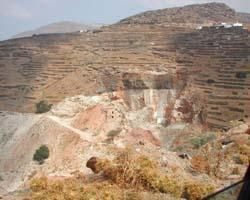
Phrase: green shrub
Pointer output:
(197, 142)
(241, 75)
(113, 133)
(210, 81)
(43, 107)
(41, 154)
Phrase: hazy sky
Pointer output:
(21, 15)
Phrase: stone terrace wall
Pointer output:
(220, 70)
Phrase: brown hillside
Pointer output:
(192, 14)
(135, 56)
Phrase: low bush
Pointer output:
(242, 156)
(41, 154)
(73, 189)
(198, 142)
(242, 159)
(210, 81)
(126, 177)
(200, 164)
(241, 75)
(113, 133)
(197, 190)
(43, 107)
(138, 172)
(236, 171)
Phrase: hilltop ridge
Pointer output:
(192, 14)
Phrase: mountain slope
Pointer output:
(192, 14)
(58, 27)
(213, 63)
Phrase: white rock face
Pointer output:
(157, 100)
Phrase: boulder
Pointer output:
(92, 164)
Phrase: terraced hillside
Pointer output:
(211, 62)
(220, 60)
(56, 66)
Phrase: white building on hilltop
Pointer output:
(221, 25)
(237, 25)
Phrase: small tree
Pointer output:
(43, 107)
(41, 154)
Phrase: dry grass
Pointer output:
(214, 160)
(139, 172)
(198, 190)
(72, 189)
(124, 178)
(200, 163)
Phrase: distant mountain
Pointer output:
(59, 27)
(194, 14)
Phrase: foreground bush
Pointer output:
(197, 190)
(139, 172)
(73, 189)
(41, 154)
(126, 177)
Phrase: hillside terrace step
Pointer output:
(209, 117)
(230, 98)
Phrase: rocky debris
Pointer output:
(226, 141)
(138, 135)
(240, 129)
(184, 156)
(99, 119)
(183, 111)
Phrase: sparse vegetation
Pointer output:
(210, 81)
(236, 171)
(113, 133)
(140, 172)
(43, 107)
(73, 189)
(198, 190)
(41, 154)
(217, 161)
(197, 142)
(125, 177)
(243, 156)
(241, 75)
